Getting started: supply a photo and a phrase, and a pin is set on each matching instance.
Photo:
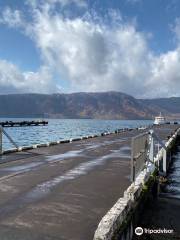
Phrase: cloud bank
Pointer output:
(12, 80)
(91, 53)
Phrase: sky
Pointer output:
(63, 46)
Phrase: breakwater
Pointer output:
(123, 217)
(23, 123)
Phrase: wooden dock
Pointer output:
(23, 123)
(62, 191)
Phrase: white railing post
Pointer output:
(133, 162)
(151, 149)
(164, 161)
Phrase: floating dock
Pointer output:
(63, 191)
(23, 123)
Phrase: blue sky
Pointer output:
(77, 45)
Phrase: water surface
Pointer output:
(60, 129)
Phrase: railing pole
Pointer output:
(1, 141)
(132, 162)
(151, 151)
(10, 139)
(164, 161)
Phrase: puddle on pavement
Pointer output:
(81, 169)
(30, 166)
(123, 152)
(23, 167)
(43, 189)
(89, 146)
(63, 156)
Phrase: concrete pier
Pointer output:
(62, 191)
(23, 123)
(122, 219)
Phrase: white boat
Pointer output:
(159, 120)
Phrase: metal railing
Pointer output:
(139, 154)
(2, 131)
(155, 145)
(1, 141)
(145, 147)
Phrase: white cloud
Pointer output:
(165, 78)
(13, 80)
(92, 55)
(80, 3)
(176, 29)
(134, 1)
(51, 3)
(13, 18)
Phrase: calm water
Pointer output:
(173, 186)
(59, 129)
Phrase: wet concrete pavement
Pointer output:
(63, 191)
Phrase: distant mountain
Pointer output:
(166, 105)
(106, 105)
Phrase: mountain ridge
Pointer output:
(92, 105)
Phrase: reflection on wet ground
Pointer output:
(64, 156)
(81, 169)
(65, 185)
(22, 168)
(44, 188)
(122, 152)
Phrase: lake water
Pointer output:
(59, 129)
(173, 187)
